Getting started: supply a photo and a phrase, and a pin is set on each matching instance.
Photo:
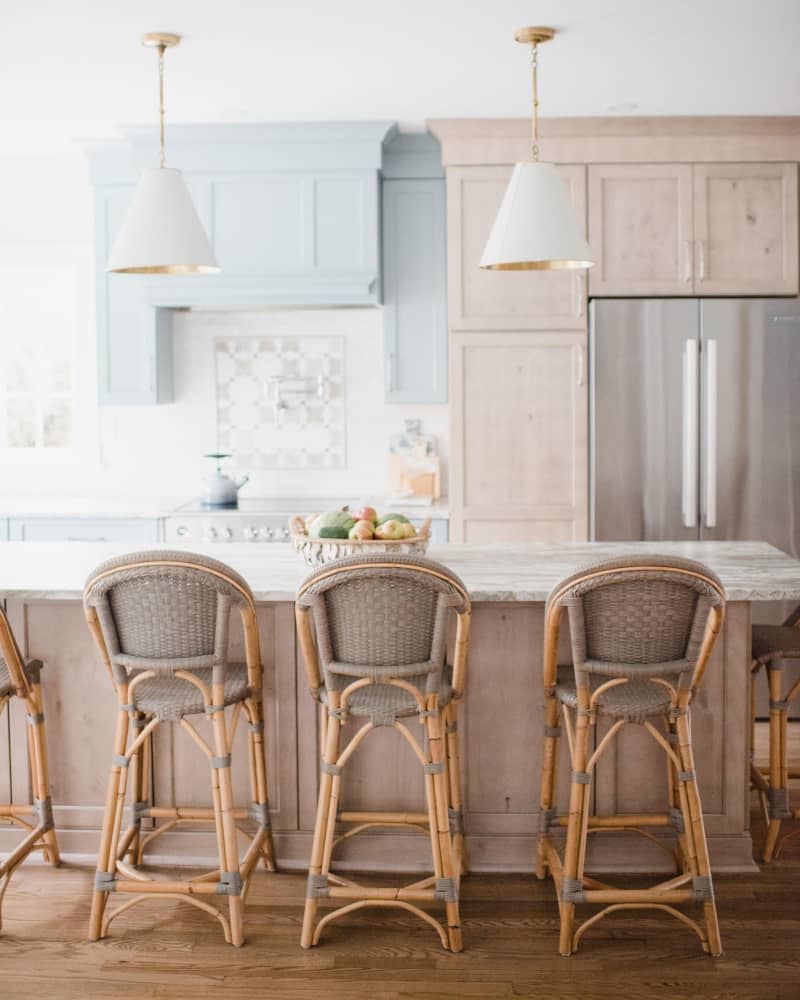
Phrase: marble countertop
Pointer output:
(750, 571)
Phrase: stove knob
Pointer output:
(211, 532)
(181, 531)
(228, 534)
(269, 534)
(250, 533)
(285, 534)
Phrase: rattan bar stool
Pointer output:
(642, 630)
(20, 678)
(161, 620)
(373, 634)
(773, 645)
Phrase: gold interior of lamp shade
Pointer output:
(539, 265)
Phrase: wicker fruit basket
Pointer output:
(317, 551)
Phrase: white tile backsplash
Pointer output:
(281, 401)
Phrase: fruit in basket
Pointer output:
(332, 532)
(391, 530)
(309, 522)
(333, 520)
(392, 517)
(410, 530)
(366, 514)
(361, 531)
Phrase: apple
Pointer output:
(361, 531)
(391, 530)
(366, 514)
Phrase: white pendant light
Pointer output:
(162, 232)
(536, 228)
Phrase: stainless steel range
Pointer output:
(254, 520)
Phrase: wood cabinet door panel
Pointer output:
(519, 436)
(746, 227)
(505, 300)
(640, 229)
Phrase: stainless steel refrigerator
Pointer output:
(695, 419)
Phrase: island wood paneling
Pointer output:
(501, 724)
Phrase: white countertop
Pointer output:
(750, 571)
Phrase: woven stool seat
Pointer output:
(385, 702)
(634, 701)
(171, 697)
(775, 642)
(7, 686)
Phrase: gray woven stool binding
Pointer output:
(373, 631)
(642, 630)
(20, 678)
(161, 620)
(772, 646)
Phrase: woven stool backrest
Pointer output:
(381, 615)
(642, 615)
(164, 610)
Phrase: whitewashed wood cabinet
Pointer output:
(505, 300)
(693, 229)
(519, 437)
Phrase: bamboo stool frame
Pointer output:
(36, 820)
(439, 757)
(772, 784)
(692, 883)
(232, 878)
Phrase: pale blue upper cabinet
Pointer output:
(293, 214)
(414, 272)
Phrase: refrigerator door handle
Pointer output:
(711, 434)
(690, 405)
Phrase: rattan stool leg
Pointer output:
(40, 774)
(698, 833)
(777, 761)
(112, 820)
(330, 756)
(454, 789)
(547, 781)
(225, 817)
(576, 833)
(258, 772)
(441, 830)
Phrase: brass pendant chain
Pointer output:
(161, 51)
(534, 105)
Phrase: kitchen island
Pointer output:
(42, 584)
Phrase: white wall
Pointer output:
(46, 212)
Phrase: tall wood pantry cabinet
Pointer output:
(519, 387)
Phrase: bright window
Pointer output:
(37, 337)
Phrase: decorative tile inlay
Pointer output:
(280, 401)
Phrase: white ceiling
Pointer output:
(72, 69)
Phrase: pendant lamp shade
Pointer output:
(162, 233)
(536, 227)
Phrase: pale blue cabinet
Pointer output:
(414, 286)
(136, 530)
(134, 339)
(293, 215)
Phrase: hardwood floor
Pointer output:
(167, 950)
(162, 949)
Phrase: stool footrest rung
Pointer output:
(639, 896)
(622, 820)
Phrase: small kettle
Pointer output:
(220, 490)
